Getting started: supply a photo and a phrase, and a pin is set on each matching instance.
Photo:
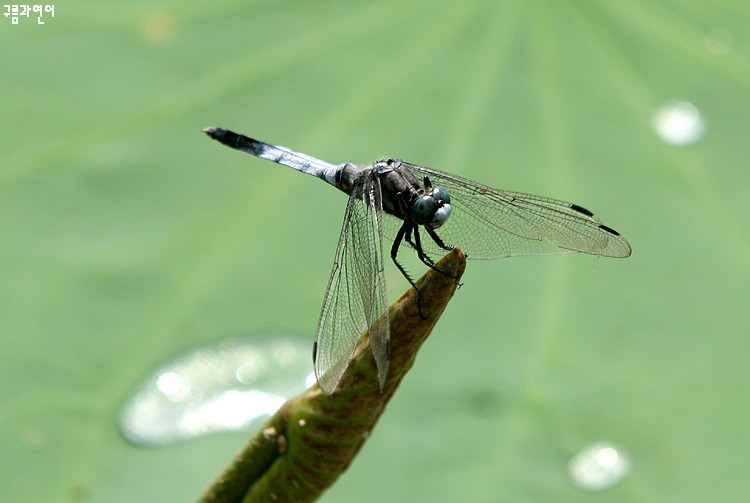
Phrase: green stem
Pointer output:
(313, 437)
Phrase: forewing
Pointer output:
(356, 294)
(488, 223)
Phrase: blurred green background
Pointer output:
(127, 236)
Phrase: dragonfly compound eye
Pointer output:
(441, 195)
(422, 210)
(441, 215)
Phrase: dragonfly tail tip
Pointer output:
(214, 132)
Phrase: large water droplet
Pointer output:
(678, 123)
(598, 467)
(230, 385)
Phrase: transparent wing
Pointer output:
(488, 223)
(356, 293)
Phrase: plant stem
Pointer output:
(313, 437)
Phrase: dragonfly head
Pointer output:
(432, 209)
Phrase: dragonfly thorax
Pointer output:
(431, 209)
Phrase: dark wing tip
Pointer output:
(581, 209)
(609, 229)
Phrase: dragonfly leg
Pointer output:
(394, 252)
(440, 243)
(437, 239)
(408, 238)
(426, 260)
(405, 230)
(423, 256)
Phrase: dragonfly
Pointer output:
(431, 212)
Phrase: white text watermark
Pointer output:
(16, 12)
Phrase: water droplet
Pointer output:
(230, 385)
(718, 41)
(678, 123)
(598, 467)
